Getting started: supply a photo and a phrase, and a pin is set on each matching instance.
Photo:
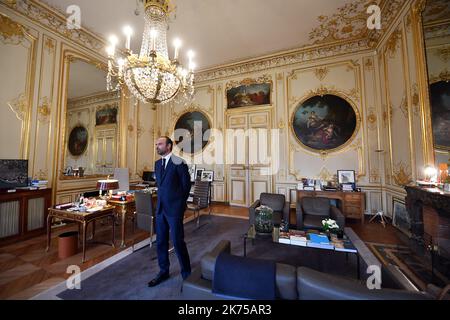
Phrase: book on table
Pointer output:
(284, 238)
(298, 237)
(344, 246)
(319, 241)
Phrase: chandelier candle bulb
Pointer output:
(177, 45)
(110, 51)
(153, 35)
(128, 32)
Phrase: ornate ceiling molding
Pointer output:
(55, 21)
(11, 32)
(93, 99)
(339, 34)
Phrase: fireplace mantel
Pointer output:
(417, 198)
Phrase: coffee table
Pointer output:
(252, 235)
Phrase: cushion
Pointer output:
(286, 282)
(316, 206)
(314, 285)
(244, 277)
(272, 200)
(312, 221)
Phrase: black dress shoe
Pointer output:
(159, 278)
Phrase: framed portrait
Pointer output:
(325, 123)
(247, 95)
(346, 176)
(192, 171)
(192, 132)
(106, 115)
(208, 175)
(78, 141)
(400, 216)
(440, 114)
(199, 173)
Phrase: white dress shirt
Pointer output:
(167, 158)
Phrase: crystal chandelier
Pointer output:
(151, 76)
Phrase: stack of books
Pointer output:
(298, 238)
(284, 237)
(40, 184)
(343, 245)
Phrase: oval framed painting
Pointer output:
(192, 132)
(325, 123)
(78, 141)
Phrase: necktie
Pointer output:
(163, 164)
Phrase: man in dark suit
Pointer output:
(174, 184)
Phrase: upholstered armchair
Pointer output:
(275, 201)
(312, 210)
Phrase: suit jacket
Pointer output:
(173, 186)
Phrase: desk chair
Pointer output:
(201, 199)
(145, 212)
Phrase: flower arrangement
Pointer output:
(329, 225)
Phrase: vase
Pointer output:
(264, 220)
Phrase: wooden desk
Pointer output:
(352, 204)
(123, 209)
(83, 219)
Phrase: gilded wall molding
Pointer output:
(55, 21)
(443, 53)
(282, 59)
(19, 106)
(321, 73)
(393, 43)
(93, 99)
(372, 119)
(443, 76)
(402, 174)
(44, 110)
(249, 81)
(11, 32)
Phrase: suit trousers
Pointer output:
(174, 225)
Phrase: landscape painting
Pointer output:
(106, 115)
(249, 95)
(324, 122)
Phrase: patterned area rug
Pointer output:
(417, 269)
